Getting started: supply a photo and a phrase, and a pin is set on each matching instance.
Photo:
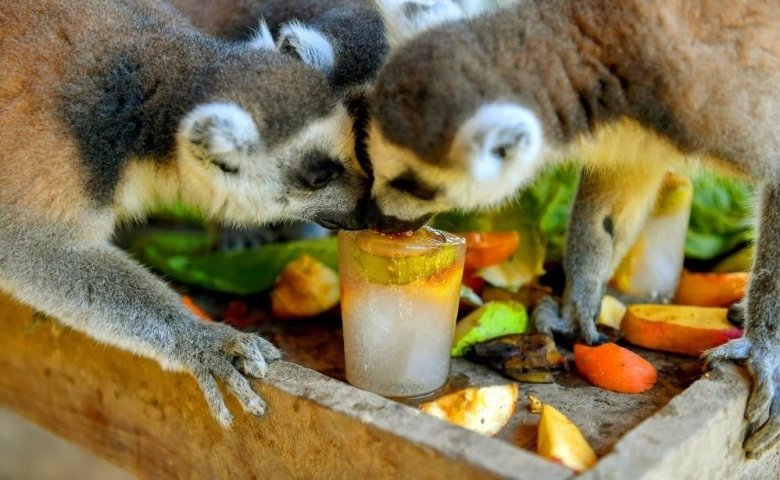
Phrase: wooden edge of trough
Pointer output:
(698, 434)
(155, 424)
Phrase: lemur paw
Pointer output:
(549, 319)
(219, 352)
(762, 413)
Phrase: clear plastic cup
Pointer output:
(399, 304)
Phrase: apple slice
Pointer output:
(678, 329)
(491, 320)
(562, 442)
(612, 312)
(484, 410)
(711, 289)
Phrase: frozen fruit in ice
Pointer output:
(402, 260)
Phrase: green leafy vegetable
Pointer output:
(189, 258)
(720, 216)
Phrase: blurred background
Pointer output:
(29, 452)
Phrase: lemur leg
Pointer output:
(103, 293)
(760, 345)
(609, 210)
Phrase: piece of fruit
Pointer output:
(562, 442)
(678, 329)
(484, 410)
(305, 288)
(523, 357)
(491, 320)
(534, 404)
(401, 260)
(711, 289)
(615, 368)
(194, 308)
(484, 249)
(612, 312)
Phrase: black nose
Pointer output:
(389, 224)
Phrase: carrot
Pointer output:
(711, 289)
(194, 308)
(615, 368)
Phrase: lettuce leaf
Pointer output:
(189, 258)
(721, 218)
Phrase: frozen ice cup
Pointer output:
(399, 303)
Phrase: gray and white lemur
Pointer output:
(467, 111)
(108, 107)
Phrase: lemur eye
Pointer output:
(410, 184)
(318, 170)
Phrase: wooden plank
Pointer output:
(155, 424)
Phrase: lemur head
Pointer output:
(444, 133)
(275, 143)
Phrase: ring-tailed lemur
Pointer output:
(467, 111)
(109, 106)
(348, 34)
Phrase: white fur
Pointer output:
(258, 193)
(506, 125)
(478, 179)
(262, 38)
(311, 45)
(401, 27)
(231, 126)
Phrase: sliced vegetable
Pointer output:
(678, 329)
(491, 320)
(711, 289)
(484, 410)
(615, 368)
(562, 442)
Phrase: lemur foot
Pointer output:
(762, 359)
(219, 352)
(549, 319)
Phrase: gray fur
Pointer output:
(696, 79)
(111, 106)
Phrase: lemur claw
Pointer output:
(219, 352)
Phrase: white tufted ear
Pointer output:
(220, 133)
(497, 135)
(308, 44)
(404, 19)
(262, 38)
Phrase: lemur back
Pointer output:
(467, 111)
(110, 107)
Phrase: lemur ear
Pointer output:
(222, 134)
(262, 38)
(404, 19)
(496, 135)
(308, 44)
